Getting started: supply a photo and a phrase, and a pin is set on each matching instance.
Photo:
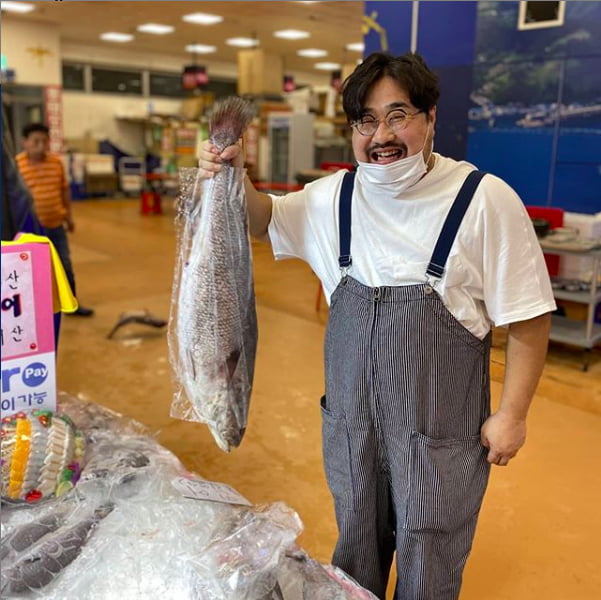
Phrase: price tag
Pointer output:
(200, 489)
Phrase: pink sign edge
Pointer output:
(42, 297)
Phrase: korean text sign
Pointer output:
(27, 335)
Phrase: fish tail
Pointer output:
(229, 120)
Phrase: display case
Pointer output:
(291, 146)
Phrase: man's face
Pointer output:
(388, 145)
(36, 145)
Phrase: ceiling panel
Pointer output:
(332, 25)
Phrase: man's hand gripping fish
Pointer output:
(213, 326)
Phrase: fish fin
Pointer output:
(232, 362)
(191, 363)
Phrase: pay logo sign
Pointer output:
(28, 384)
(32, 375)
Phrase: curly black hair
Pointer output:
(408, 70)
(33, 128)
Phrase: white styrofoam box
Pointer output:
(76, 167)
(589, 226)
(99, 164)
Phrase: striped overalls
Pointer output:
(407, 390)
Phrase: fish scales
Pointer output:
(216, 326)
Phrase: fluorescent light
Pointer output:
(18, 7)
(291, 34)
(113, 36)
(155, 28)
(200, 48)
(356, 47)
(312, 53)
(242, 42)
(327, 66)
(202, 18)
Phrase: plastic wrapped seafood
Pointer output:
(303, 578)
(213, 323)
(127, 531)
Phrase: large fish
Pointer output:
(48, 558)
(213, 329)
(26, 535)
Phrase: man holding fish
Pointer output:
(419, 256)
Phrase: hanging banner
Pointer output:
(336, 80)
(194, 77)
(53, 107)
(27, 334)
(288, 83)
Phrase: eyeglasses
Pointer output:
(396, 120)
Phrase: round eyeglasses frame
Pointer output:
(396, 119)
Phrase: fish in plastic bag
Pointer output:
(40, 565)
(213, 323)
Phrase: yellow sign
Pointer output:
(369, 24)
(39, 53)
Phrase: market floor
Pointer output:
(540, 525)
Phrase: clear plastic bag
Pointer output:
(213, 323)
(125, 531)
(303, 578)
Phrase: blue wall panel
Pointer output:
(547, 81)
(577, 188)
(523, 104)
(451, 113)
(579, 147)
(499, 39)
(446, 33)
(525, 166)
(446, 37)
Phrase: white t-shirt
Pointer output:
(495, 273)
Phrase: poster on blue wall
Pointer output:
(535, 114)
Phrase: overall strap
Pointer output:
(452, 223)
(344, 220)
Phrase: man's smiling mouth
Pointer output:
(387, 155)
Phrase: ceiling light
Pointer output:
(156, 28)
(18, 7)
(202, 18)
(327, 66)
(200, 48)
(242, 42)
(356, 47)
(312, 53)
(291, 34)
(113, 36)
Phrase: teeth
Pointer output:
(385, 154)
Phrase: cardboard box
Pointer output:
(259, 72)
(83, 145)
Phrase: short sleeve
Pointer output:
(516, 283)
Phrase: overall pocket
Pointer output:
(337, 457)
(446, 482)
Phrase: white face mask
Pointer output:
(400, 174)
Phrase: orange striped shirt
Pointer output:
(46, 180)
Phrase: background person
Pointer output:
(45, 176)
